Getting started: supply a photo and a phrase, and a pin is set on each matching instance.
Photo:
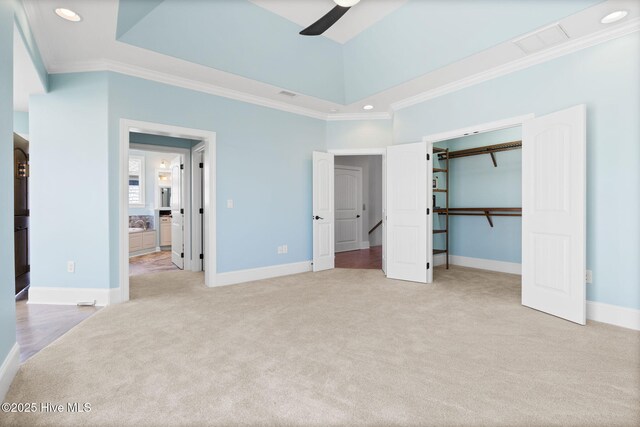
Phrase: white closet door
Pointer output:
(553, 207)
(407, 192)
(177, 214)
(323, 202)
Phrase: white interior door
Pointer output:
(553, 207)
(348, 208)
(177, 214)
(407, 254)
(323, 212)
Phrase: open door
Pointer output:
(323, 221)
(407, 254)
(553, 208)
(177, 214)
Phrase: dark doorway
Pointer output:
(21, 211)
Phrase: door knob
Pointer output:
(318, 217)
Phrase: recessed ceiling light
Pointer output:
(368, 107)
(68, 14)
(346, 3)
(614, 16)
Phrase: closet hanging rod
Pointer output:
(487, 149)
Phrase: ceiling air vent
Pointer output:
(287, 93)
(542, 39)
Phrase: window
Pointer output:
(136, 181)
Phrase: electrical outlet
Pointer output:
(285, 249)
(588, 277)
(280, 250)
(229, 204)
(71, 267)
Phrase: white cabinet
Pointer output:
(165, 231)
(142, 240)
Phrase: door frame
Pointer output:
(360, 201)
(208, 139)
(468, 131)
(372, 152)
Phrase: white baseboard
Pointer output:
(364, 245)
(614, 315)
(72, 296)
(241, 276)
(483, 264)
(8, 370)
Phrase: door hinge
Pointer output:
(428, 211)
(182, 211)
(428, 156)
(201, 210)
(181, 166)
(182, 255)
(201, 165)
(201, 256)
(428, 265)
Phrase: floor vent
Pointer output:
(542, 39)
(287, 93)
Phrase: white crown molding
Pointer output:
(8, 370)
(566, 48)
(147, 74)
(358, 116)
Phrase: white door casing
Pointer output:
(407, 255)
(429, 213)
(348, 208)
(177, 214)
(323, 211)
(554, 213)
(384, 214)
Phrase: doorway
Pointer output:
(158, 202)
(358, 209)
(190, 216)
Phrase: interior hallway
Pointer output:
(365, 258)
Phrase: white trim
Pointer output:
(480, 263)
(364, 244)
(250, 275)
(479, 128)
(566, 48)
(169, 79)
(209, 139)
(614, 315)
(8, 370)
(72, 296)
(358, 151)
(336, 117)
(197, 156)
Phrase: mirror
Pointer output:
(165, 197)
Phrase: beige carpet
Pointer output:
(342, 347)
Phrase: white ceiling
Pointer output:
(356, 20)
(91, 46)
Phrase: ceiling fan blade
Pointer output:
(324, 23)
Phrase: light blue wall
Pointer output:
(7, 267)
(605, 78)
(422, 36)
(264, 165)
(21, 122)
(359, 134)
(475, 182)
(244, 39)
(70, 182)
(130, 12)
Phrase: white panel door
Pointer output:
(323, 202)
(177, 214)
(553, 213)
(348, 208)
(407, 245)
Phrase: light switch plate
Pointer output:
(588, 277)
(71, 267)
(229, 204)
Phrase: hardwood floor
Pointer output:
(38, 325)
(151, 263)
(365, 258)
